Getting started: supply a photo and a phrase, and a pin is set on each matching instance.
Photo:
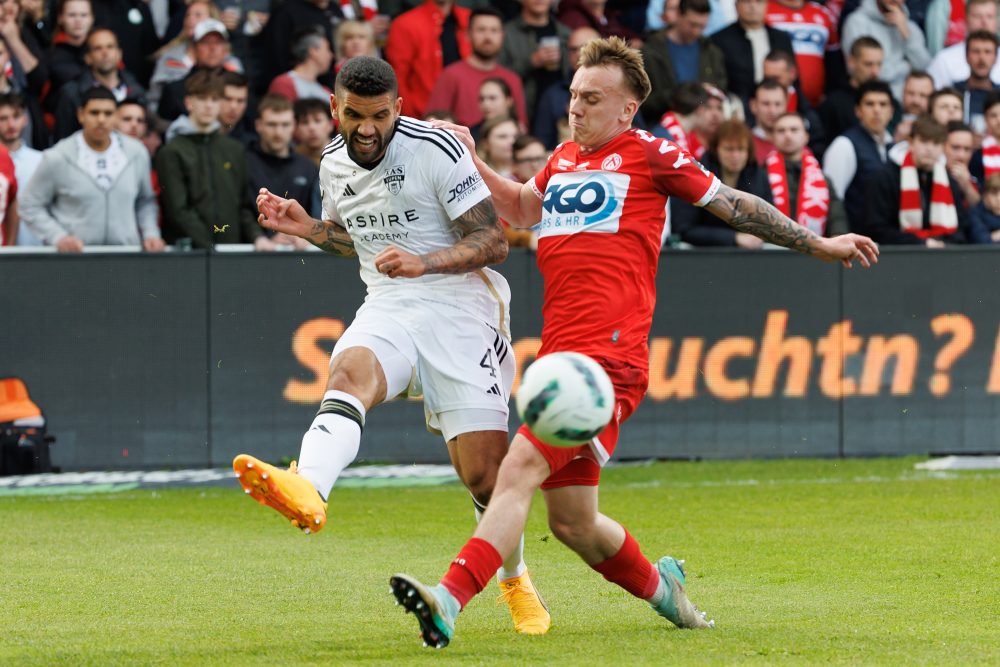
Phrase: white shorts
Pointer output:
(461, 365)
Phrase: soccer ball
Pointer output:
(566, 399)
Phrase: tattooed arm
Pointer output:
(482, 243)
(752, 215)
(329, 236)
(288, 217)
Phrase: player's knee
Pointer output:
(571, 531)
(480, 483)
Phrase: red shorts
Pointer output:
(581, 465)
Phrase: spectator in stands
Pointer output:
(13, 119)
(864, 64)
(981, 55)
(950, 66)
(814, 35)
(496, 144)
(744, 45)
(730, 156)
(132, 120)
(203, 175)
(313, 128)
(104, 68)
(946, 105)
(28, 70)
(176, 58)
(958, 147)
(287, 20)
(595, 14)
(131, 21)
(678, 54)
(457, 89)
(916, 203)
(93, 187)
(783, 68)
(34, 21)
(984, 217)
(861, 151)
(550, 115)
(211, 51)
(496, 100)
(272, 164)
(25, 160)
(661, 14)
(233, 114)
(354, 38)
(421, 43)
(313, 57)
(534, 48)
(986, 160)
(799, 188)
(769, 101)
(695, 117)
(74, 20)
(917, 91)
(902, 40)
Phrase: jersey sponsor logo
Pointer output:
(612, 162)
(465, 188)
(583, 202)
(393, 178)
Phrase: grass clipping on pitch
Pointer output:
(797, 561)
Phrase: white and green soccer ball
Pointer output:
(565, 398)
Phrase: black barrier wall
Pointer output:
(187, 359)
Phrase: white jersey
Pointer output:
(425, 180)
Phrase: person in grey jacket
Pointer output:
(902, 40)
(93, 187)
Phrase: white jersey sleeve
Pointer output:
(458, 183)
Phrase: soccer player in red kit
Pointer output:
(598, 208)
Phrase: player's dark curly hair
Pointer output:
(368, 77)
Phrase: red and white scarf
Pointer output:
(369, 8)
(793, 100)
(688, 142)
(991, 157)
(814, 197)
(943, 216)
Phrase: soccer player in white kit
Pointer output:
(408, 201)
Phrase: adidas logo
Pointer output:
(348, 191)
(495, 390)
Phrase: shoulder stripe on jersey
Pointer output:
(431, 138)
(333, 146)
(451, 146)
(438, 132)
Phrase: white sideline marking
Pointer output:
(961, 463)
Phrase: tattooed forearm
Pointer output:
(752, 215)
(483, 243)
(331, 237)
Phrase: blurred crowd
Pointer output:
(154, 122)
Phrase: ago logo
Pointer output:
(583, 202)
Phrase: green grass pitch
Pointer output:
(799, 562)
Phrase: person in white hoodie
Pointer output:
(93, 187)
(902, 40)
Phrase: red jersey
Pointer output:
(814, 32)
(599, 240)
(8, 192)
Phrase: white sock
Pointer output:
(657, 597)
(332, 442)
(514, 565)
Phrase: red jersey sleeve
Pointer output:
(675, 172)
(540, 180)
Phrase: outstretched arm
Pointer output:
(751, 214)
(482, 243)
(288, 216)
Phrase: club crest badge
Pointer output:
(393, 178)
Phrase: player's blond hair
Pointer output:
(615, 52)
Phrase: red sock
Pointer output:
(629, 569)
(471, 570)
